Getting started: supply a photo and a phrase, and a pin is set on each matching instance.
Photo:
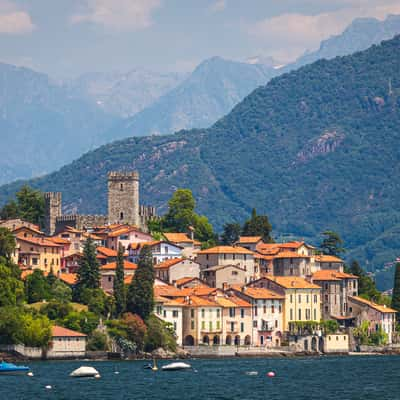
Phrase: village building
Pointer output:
(160, 249)
(336, 288)
(189, 282)
(66, 343)
(189, 246)
(105, 255)
(267, 308)
(125, 235)
(14, 223)
(249, 242)
(28, 231)
(329, 262)
(70, 263)
(170, 311)
(107, 273)
(223, 276)
(378, 316)
(39, 253)
(174, 269)
(229, 255)
(302, 299)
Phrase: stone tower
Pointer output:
(123, 198)
(52, 201)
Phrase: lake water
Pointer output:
(339, 378)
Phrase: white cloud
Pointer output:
(218, 6)
(287, 36)
(118, 14)
(14, 21)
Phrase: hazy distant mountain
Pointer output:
(210, 92)
(359, 35)
(124, 94)
(41, 126)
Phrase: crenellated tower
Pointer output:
(53, 209)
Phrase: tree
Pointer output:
(36, 331)
(158, 335)
(119, 285)
(89, 269)
(97, 342)
(332, 244)
(11, 288)
(9, 211)
(135, 329)
(37, 287)
(366, 286)
(84, 321)
(140, 299)
(231, 233)
(60, 292)
(396, 290)
(7, 243)
(258, 225)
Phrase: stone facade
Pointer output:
(52, 201)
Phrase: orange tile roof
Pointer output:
(331, 275)
(59, 331)
(249, 239)
(226, 249)
(128, 279)
(28, 228)
(263, 257)
(377, 307)
(184, 280)
(202, 290)
(70, 279)
(232, 301)
(261, 293)
(290, 245)
(168, 291)
(44, 242)
(168, 263)
(195, 301)
(327, 258)
(292, 282)
(59, 240)
(290, 254)
(123, 230)
(267, 248)
(106, 251)
(178, 237)
(113, 265)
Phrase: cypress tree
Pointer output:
(396, 290)
(89, 269)
(119, 286)
(140, 299)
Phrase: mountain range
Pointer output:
(315, 149)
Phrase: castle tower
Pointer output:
(123, 198)
(53, 205)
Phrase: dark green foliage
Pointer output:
(56, 310)
(158, 335)
(230, 234)
(85, 322)
(36, 287)
(97, 301)
(313, 148)
(97, 342)
(140, 299)
(89, 269)
(11, 288)
(258, 225)
(332, 244)
(29, 206)
(396, 289)
(7, 243)
(119, 285)
(366, 286)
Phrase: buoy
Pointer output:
(116, 372)
(271, 374)
(48, 387)
(155, 368)
(97, 376)
(30, 373)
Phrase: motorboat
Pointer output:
(11, 369)
(85, 372)
(176, 366)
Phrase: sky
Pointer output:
(66, 38)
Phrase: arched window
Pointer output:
(121, 188)
(121, 215)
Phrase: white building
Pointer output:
(161, 250)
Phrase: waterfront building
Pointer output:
(66, 343)
(223, 276)
(174, 269)
(170, 311)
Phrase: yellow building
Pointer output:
(302, 298)
(39, 253)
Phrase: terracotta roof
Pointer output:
(226, 249)
(59, 331)
(168, 291)
(123, 230)
(113, 265)
(44, 242)
(106, 251)
(331, 275)
(267, 248)
(232, 301)
(70, 279)
(326, 258)
(59, 240)
(292, 282)
(128, 279)
(249, 239)
(29, 228)
(377, 307)
(290, 245)
(178, 237)
(195, 301)
(290, 254)
(72, 229)
(183, 281)
(168, 263)
(263, 257)
(261, 293)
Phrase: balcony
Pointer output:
(230, 325)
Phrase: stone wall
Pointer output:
(80, 221)
(53, 205)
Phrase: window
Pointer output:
(272, 308)
(255, 324)
(192, 324)
(299, 298)
(224, 256)
(203, 325)
(234, 256)
(218, 325)
(291, 298)
(192, 313)
(174, 326)
(231, 312)
(264, 309)
(166, 249)
(255, 311)
(218, 312)
(109, 278)
(210, 326)
(307, 299)
(203, 313)
(121, 187)
(175, 313)
(121, 215)
(280, 308)
(242, 313)
(315, 299)
(165, 313)
(291, 314)
(34, 261)
(276, 323)
(299, 314)
(315, 315)
(159, 309)
(241, 327)
(234, 273)
(308, 314)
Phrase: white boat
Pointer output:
(84, 372)
(176, 366)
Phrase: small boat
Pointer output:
(176, 366)
(85, 372)
(12, 369)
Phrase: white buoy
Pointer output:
(30, 374)
(48, 387)
(271, 374)
(116, 372)
(97, 376)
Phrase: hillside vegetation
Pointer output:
(315, 148)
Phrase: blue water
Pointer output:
(339, 378)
